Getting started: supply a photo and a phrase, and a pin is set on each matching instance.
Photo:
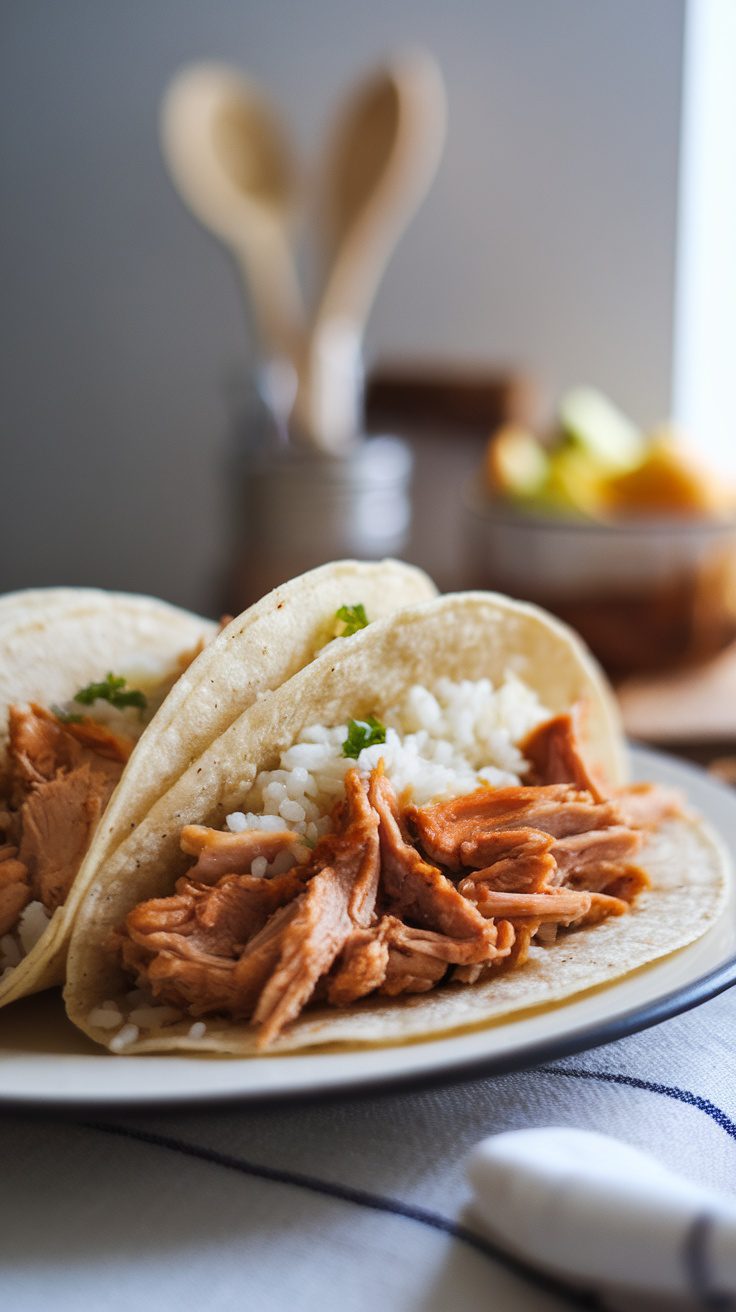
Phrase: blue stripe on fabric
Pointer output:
(685, 1096)
(360, 1198)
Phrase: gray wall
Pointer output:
(548, 240)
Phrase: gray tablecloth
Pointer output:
(349, 1205)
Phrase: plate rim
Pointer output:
(635, 1019)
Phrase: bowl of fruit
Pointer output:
(622, 533)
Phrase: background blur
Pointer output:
(548, 241)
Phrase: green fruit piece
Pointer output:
(595, 425)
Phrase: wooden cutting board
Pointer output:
(696, 705)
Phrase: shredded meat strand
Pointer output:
(361, 967)
(412, 886)
(563, 906)
(310, 943)
(220, 853)
(462, 832)
(555, 756)
(99, 739)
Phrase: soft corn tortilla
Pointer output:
(53, 642)
(471, 635)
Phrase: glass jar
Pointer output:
(297, 508)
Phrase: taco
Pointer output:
(82, 672)
(68, 725)
(426, 828)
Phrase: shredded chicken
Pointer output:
(60, 777)
(220, 853)
(217, 919)
(100, 740)
(40, 746)
(462, 832)
(560, 905)
(340, 896)
(309, 945)
(58, 821)
(173, 944)
(586, 851)
(411, 885)
(15, 889)
(396, 899)
(361, 967)
(277, 936)
(555, 755)
(394, 958)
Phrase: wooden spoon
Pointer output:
(228, 156)
(379, 164)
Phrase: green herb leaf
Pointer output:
(65, 717)
(363, 733)
(112, 690)
(351, 619)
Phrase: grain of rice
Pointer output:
(197, 1030)
(281, 863)
(292, 812)
(33, 923)
(238, 821)
(124, 1037)
(259, 867)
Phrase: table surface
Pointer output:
(690, 713)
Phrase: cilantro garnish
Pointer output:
(363, 733)
(112, 690)
(65, 717)
(351, 618)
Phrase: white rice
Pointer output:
(107, 1016)
(32, 923)
(440, 743)
(124, 1037)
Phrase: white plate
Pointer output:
(45, 1062)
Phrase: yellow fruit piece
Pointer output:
(669, 480)
(515, 463)
(574, 484)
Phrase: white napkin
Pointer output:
(606, 1215)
